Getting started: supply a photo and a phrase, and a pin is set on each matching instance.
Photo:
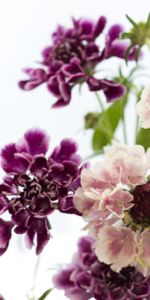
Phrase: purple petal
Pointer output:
(99, 27)
(59, 103)
(53, 86)
(39, 165)
(86, 27)
(118, 49)
(3, 204)
(65, 91)
(85, 244)
(94, 84)
(77, 294)
(114, 32)
(73, 70)
(66, 205)
(92, 50)
(62, 279)
(5, 235)
(83, 280)
(41, 206)
(114, 92)
(36, 141)
(20, 219)
(66, 151)
(38, 228)
(43, 235)
(37, 77)
(12, 161)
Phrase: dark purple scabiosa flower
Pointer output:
(73, 57)
(35, 185)
(87, 278)
(1, 298)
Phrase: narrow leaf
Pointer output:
(45, 294)
(131, 21)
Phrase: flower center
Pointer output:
(37, 194)
(139, 215)
(33, 187)
(65, 50)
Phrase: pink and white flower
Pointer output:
(114, 198)
(143, 108)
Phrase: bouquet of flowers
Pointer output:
(110, 189)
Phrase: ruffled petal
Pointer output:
(116, 246)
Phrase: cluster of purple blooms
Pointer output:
(36, 185)
(87, 278)
(73, 57)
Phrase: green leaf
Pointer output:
(107, 124)
(100, 139)
(45, 294)
(143, 138)
(131, 21)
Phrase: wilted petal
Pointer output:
(116, 246)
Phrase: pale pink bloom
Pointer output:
(143, 108)
(99, 177)
(128, 162)
(116, 246)
(116, 201)
(87, 203)
(143, 255)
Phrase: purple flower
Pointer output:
(72, 59)
(1, 298)
(87, 277)
(36, 185)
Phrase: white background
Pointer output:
(25, 28)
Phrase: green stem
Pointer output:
(136, 126)
(31, 297)
(124, 130)
(100, 101)
(124, 120)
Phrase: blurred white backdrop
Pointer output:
(25, 28)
